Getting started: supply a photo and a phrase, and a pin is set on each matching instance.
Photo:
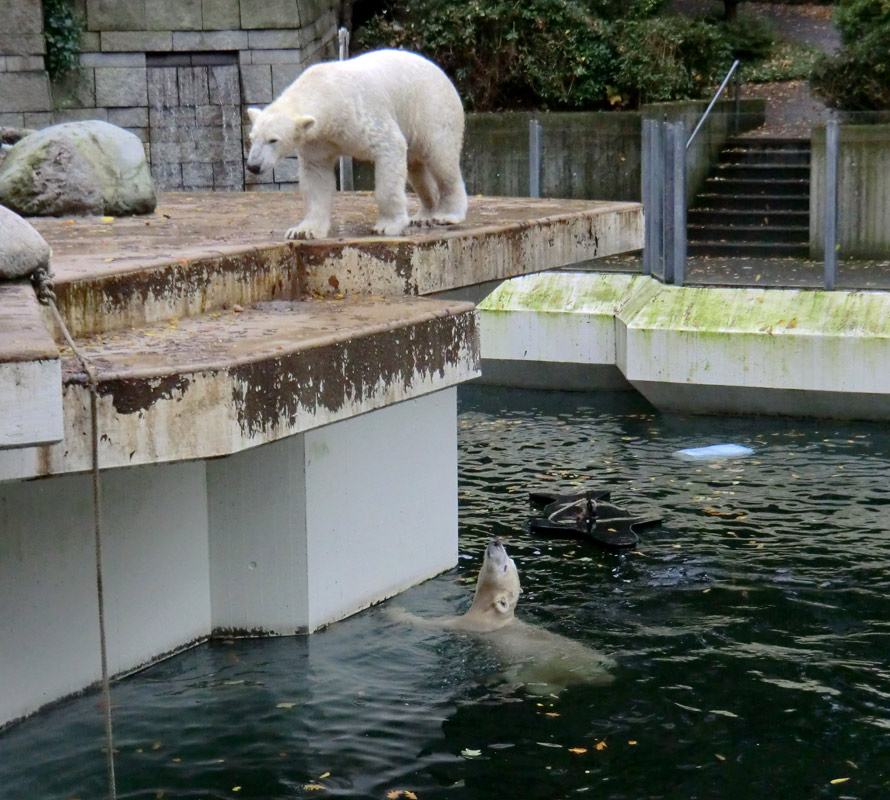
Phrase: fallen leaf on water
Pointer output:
(724, 713)
(601, 745)
(839, 780)
(324, 775)
(285, 705)
(313, 787)
(578, 750)
(551, 714)
(631, 741)
(687, 708)
(397, 794)
(719, 757)
(467, 753)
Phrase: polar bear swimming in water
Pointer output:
(545, 662)
(390, 107)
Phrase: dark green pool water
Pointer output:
(751, 633)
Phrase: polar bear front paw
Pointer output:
(391, 227)
(306, 230)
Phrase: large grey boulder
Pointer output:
(78, 168)
(22, 248)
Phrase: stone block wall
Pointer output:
(179, 74)
(24, 86)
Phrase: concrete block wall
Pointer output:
(24, 87)
(179, 74)
(863, 198)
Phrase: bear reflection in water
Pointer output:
(544, 662)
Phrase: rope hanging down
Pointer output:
(42, 281)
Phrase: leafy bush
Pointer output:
(503, 54)
(62, 31)
(749, 38)
(554, 54)
(858, 77)
(668, 58)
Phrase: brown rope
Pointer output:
(45, 294)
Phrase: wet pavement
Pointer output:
(764, 272)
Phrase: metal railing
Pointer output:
(714, 99)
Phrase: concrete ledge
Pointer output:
(30, 372)
(200, 250)
(702, 350)
(217, 384)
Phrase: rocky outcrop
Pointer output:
(22, 249)
(77, 168)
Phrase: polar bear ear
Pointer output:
(304, 123)
(253, 113)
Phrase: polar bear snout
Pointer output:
(260, 159)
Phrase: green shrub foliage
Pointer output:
(62, 31)
(667, 58)
(748, 37)
(858, 77)
(555, 54)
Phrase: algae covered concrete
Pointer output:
(706, 350)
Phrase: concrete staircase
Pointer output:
(755, 202)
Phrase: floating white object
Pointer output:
(716, 451)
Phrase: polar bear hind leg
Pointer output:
(390, 177)
(452, 206)
(424, 184)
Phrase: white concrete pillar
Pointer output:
(310, 529)
(155, 569)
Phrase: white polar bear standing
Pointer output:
(393, 108)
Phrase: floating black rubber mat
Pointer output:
(588, 516)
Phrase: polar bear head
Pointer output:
(274, 134)
(497, 590)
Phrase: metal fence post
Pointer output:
(347, 183)
(677, 144)
(832, 159)
(668, 194)
(647, 194)
(656, 192)
(535, 152)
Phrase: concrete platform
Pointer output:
(200, 252)
(216, 384)
(277, 420)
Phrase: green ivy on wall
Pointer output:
(62, 30)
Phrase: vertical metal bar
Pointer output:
(347, 183)
(677, 143)
(535, 151)
(737, 109)
(832, 159)
(668, 195)
(656, 192)
(647, 195)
